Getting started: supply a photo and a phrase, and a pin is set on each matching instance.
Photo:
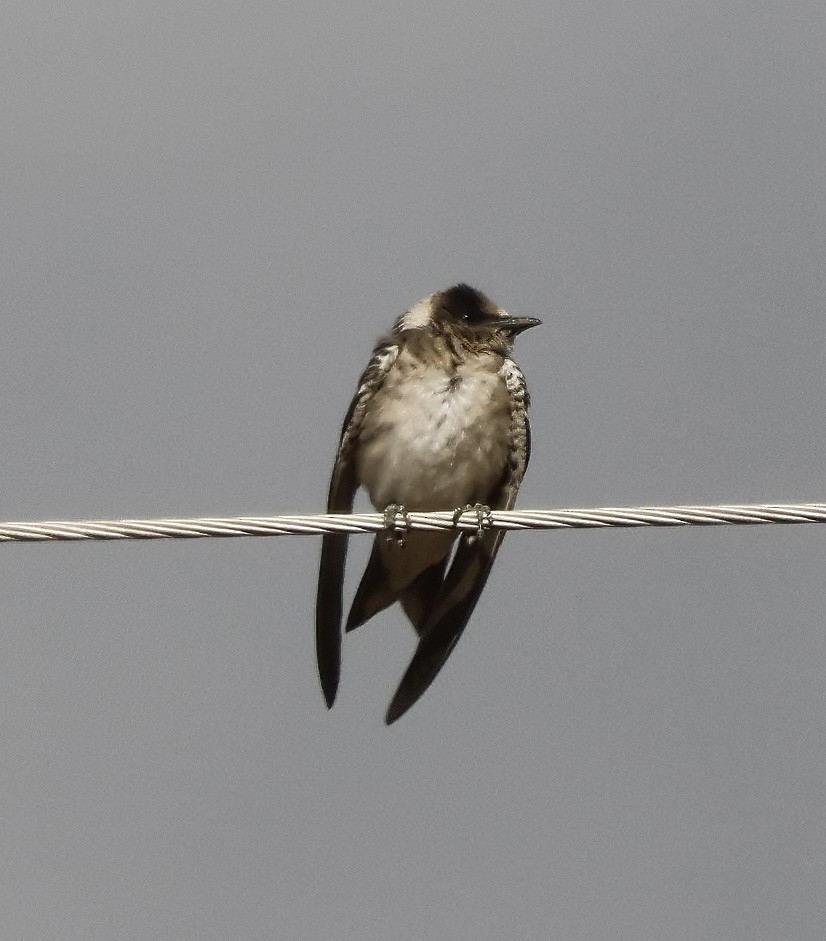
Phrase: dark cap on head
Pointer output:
(466, 305)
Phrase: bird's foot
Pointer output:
(483, 520)
(395, 524)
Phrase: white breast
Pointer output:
(436, 437)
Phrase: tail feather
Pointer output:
(419, 597)
(374, 593)
(447, 619)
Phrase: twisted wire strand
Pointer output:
(469, 521)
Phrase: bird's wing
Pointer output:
(471, 564)
(343, 486)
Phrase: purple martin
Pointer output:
(439, 422)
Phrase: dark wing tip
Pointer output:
(448, 619)
(329, 671)
(412, 687)
(329, 666)
(328, 615)
(396, 709)
(434, 648)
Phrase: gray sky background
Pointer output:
(210, 212)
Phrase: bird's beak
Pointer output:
(516, 325)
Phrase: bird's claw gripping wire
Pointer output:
(396, 524)
(484, 520)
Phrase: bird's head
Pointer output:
(467, 315)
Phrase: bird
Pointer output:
(439, 422)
